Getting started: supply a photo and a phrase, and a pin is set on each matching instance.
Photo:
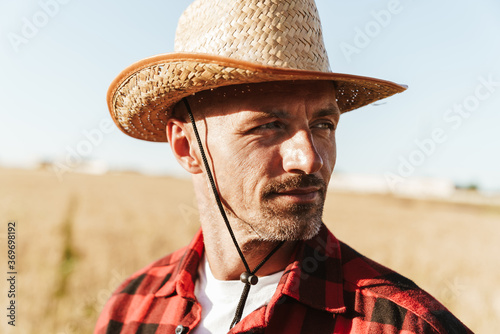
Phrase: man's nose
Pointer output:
(300, 155)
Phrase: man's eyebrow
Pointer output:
(274, 113)
(331, 110)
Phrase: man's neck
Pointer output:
(225, 262)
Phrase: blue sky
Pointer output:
(54, 78)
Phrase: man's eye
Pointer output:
(325, 125)
(271, 126)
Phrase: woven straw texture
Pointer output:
(282, 33)
(229, 42)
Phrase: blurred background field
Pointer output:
(80, 237)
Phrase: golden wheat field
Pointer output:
(78, 238)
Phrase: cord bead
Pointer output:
(248, 278)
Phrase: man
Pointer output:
(249, 107)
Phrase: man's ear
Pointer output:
(179, 138)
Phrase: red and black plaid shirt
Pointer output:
(327, 288)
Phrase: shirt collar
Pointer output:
(313, 277)
(184, 274)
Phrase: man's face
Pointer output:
(272, 150)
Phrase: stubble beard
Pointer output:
(289, 222)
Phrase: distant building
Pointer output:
(378, 184)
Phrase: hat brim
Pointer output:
(142, 96)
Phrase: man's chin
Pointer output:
(290, 231)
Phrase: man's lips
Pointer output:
(303, 195)
(299, 191)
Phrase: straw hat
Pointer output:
(229, 42)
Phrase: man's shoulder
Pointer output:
(364, 272)
(131, 300)
(384, 296)
(154, 274)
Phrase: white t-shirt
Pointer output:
(219, 299)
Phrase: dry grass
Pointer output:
(78, 239)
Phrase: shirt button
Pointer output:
(181, 330)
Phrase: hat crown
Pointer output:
(278, 33)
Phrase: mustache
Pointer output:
(294, 182)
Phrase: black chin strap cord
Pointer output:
(248, 277)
